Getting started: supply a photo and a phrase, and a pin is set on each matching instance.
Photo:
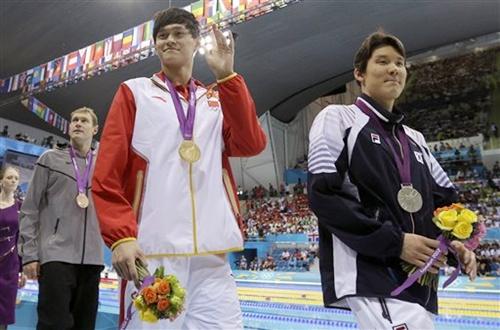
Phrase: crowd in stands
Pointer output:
(488, 257)
(47, 142)
(452, 98)
(284, 215)
(259, 192)
(281, 259)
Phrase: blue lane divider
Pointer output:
(291, 319)
(268, 307)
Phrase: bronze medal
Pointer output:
(82, 200)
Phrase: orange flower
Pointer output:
(164, 287)
(458, 206)
(149, 295)
(441, 209)
(163, 305)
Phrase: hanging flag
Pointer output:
(197, 9)
(38, 108)
(210, 10)
(85, 55)
(117, 45)
(238, 5)
(22, 80)
(58, 121)
(29, 79)
(137, 36)
(148, 31)
(58, 68)
(5, 85)
(46, 117)
(224, 7)
(37, 73)
(251, 3)
(15, 83)
(108, 49)
(90, 54)
(99, 51)
(128, 37)
(50, 70)
(65, 126)
(50, 120)
(72, 61)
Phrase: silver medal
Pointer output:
(409, 199)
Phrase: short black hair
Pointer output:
(373, 42)
(176, 16)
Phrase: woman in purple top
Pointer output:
(9, 259)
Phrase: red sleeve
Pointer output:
(114, 179)
(243, 136)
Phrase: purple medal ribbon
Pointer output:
(185, 122)
(81, 181)
(443, 247)
(148, 280)
(403, 164)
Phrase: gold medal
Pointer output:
(82, 200)
(189, 151)
(409, 199)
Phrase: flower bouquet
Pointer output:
(160, 296)
(456, 223)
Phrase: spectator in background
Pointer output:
(10, 279)
(5, 131)
(494, 130)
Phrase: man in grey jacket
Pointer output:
(60, 240)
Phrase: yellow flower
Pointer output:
(139, 303)
(467, 216)
(462, 230)
(148, 316)
(446, 220)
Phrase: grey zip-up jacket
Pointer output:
(52, 226)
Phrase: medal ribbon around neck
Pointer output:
(81, 181)
(188, 150)
(402, 163)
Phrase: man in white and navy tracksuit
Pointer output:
(353, 184)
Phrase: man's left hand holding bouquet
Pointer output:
(467, 258)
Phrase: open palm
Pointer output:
(220, 58)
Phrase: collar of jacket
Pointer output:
(394, 117)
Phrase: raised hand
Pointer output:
(220, 58)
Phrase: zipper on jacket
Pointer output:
(84, 232)
(56, 226)
(385, 310)
(191, 190)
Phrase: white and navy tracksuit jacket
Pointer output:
(353, 184)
